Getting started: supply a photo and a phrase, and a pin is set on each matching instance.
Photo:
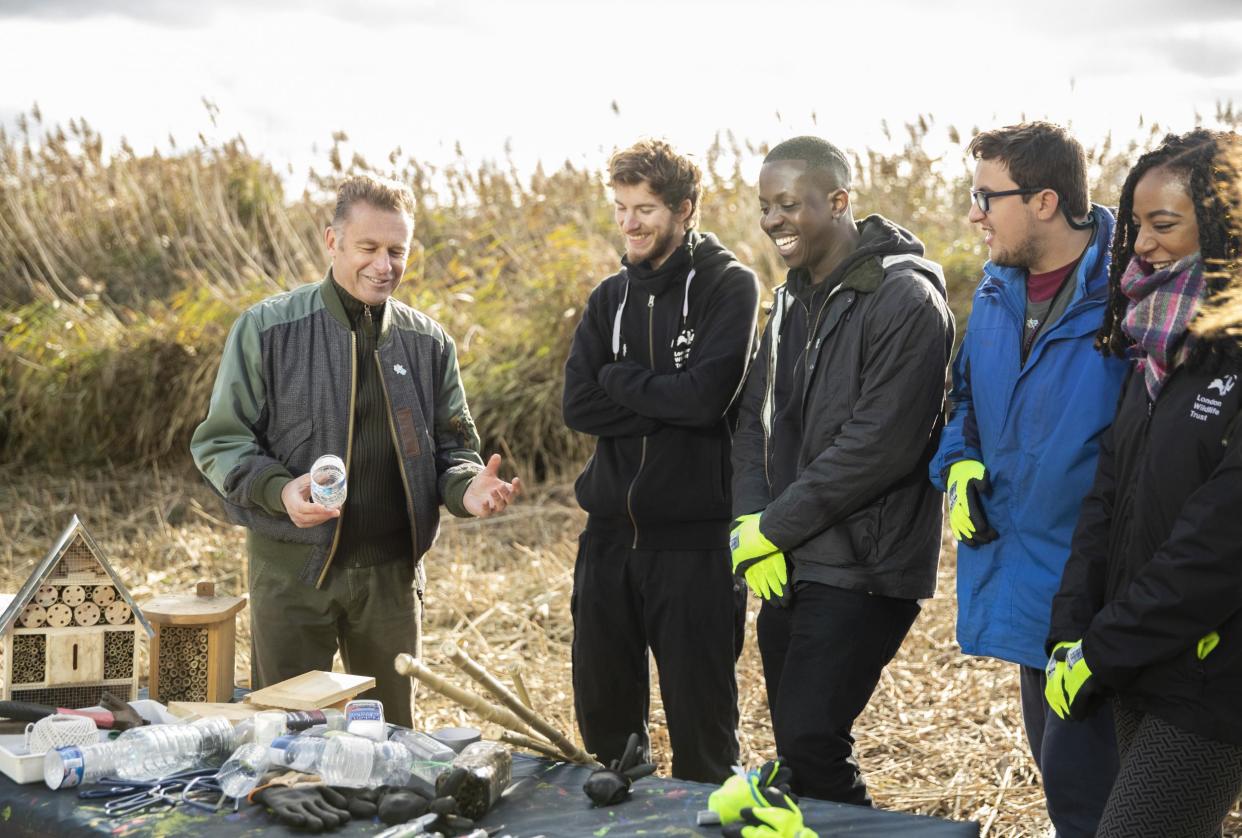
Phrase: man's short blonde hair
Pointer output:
(380, 193)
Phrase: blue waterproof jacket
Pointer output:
(1036, 428)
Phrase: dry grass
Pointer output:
(943, 734)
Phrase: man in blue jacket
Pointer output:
(1029, 400)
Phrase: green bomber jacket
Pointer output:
(284, 395)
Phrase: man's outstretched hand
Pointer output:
(487, 494)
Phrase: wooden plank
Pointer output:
(234, 712)
(312, 690)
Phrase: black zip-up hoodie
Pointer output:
(655, 385)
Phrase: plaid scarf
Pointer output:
(1162, 304)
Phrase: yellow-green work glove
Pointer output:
(742, 790)
(1070, 688)
(757, 559)
(967, 480)
(781, 818)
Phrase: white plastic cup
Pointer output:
(328, 481)
(268, 725)
(365, 717)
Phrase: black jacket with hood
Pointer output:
(841, 414)
(1153, 585)
(657, 360)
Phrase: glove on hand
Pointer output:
(1071, 691)
(746, 541)
(967, 478)
(779, 818)
(757, 559)
(310, 807)
(742, 790)
(611, 785)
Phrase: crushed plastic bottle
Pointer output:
(242, 770)
(431, 758)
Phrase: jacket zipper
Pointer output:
(349, 449)
(642, 457)
(396, 444)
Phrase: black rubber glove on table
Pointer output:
(611, 785)
(313, 808)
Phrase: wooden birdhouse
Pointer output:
(71, 632)
(192, 652)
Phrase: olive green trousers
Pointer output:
(371, 614)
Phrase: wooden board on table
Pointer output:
(233, 711)
(312, 690)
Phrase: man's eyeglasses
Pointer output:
(983, 199)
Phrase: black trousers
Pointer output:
(1077, 759)
(685, 607)
(822, 658)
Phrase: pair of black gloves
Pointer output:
(316, 807)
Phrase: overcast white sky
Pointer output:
(543, 76)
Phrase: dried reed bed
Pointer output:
(943, 734)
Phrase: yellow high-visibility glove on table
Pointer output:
(967, 480)
(742, 790)
(780, 819)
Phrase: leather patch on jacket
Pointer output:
(408, 432)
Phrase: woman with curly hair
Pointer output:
(1149, 612)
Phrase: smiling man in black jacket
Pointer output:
(656, 363)
(838, 532)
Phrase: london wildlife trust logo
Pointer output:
(681, 347)
(1205, 406)
(1223, 385)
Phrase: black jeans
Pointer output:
(822, 658)
(685, 607)
(1077, 760)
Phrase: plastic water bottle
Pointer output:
(301, 753)
(74, 765)
(431, 758)
(154, 751)
(355, 762)
(241, 771)
(328, 484)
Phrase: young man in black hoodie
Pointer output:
(656, 363)
(838, 531)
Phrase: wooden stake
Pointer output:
(414, 668)
(531, 745)
(467, 665)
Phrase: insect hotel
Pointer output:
(71, 632)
